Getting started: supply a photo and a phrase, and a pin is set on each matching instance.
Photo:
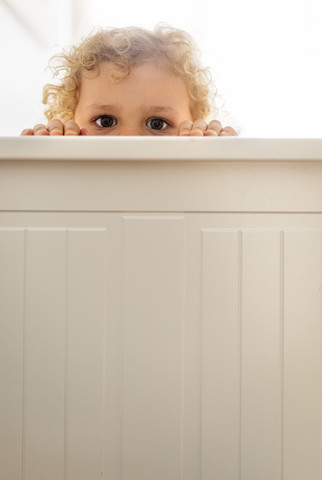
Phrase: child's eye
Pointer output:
(105, 121)
(157, 124)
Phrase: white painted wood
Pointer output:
(161, 319)
(153, 149)
(126, 169)
(153, 347)
(220, 372)
(11, 351)
(85, 330)
(44, 354)
(302, 355)
(260, 343)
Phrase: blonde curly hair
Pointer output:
(127, 47)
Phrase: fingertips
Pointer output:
(211, 133)
(55, 127)
(40, 129)
(193, 129)
(71, 128)
(27, 131)
(214, 128)
(185, 128)
(198, 128)
(228, 132)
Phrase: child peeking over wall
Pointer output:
(131, 81)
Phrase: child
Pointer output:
(130, 81)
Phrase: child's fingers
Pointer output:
(40, 129)
(185, 128)
(55, 127)
(192, 129)
(27, 131)
(71, 128)
(214, 128)
(228, 132)
(198, 128)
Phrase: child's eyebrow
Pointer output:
(102, 107)
(115, 107)
(157, 109)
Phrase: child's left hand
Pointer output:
(200, 128)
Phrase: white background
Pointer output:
(265, 55)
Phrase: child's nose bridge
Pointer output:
(131, 130)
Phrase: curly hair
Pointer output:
(127, 47)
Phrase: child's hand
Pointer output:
(56, 127)
(200, 128)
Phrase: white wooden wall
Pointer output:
(150, 343)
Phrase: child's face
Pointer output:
(150, 101)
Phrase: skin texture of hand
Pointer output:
(55, 127)
(198, 128)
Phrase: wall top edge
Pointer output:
(160, 149)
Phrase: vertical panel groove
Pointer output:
(122, 353)
(66, 357)
(240, 307)
(282, 288)
(321, 357)
(183, 341)
(201, 350)
(104, 352)
(23, 352)
(104, 357)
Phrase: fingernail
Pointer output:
(56, 131)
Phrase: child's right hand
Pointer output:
(56, 127)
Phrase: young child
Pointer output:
(131, 81)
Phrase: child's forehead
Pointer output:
(115, 72)
(143, 85)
